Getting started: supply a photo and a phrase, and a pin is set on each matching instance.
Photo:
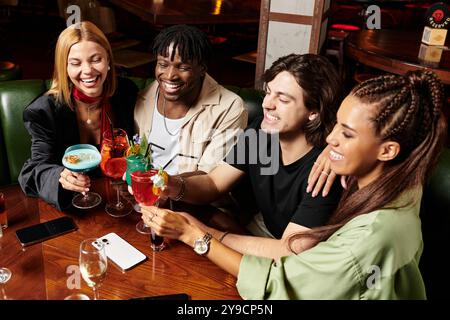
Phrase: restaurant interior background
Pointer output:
(29, 31)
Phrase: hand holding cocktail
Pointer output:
(77, 160)
(146, 186)
(74, 181)
(174, 225)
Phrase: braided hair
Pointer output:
(192, 44)
(406, 109)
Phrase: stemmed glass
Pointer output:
(113, 165)
(83, 158)
(142, 186)
(5, 275)
(136, 162)
(93, 263)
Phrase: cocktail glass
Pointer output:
(136, 163)
(113, 165)
(142, 186)
(83, 158)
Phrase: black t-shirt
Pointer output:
(279, 190)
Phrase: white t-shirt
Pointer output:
(164, 146)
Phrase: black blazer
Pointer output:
(53, 128)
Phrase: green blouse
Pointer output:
(373, 256)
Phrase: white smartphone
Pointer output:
(120, 252)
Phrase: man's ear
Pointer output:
(203, 69)
(388, 150)
(313, 115)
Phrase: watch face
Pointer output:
(200, 247)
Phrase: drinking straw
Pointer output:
(170, 161)
(147, 150)
(111, 128)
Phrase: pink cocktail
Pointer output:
(142, 186)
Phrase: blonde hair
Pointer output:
(61, 85)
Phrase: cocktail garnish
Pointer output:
(159, 182)
(72, 159)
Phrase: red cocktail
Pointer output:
(114, 165)
(142, 186)
(113, 151)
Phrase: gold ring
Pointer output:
(325, 173)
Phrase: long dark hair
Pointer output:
(408, 110)
(321, 87)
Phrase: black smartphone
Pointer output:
(43, 231)
(176, 296)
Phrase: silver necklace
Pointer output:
(164, 117)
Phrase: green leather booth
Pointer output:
(15, 149)
(14, 139)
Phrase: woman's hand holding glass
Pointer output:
(74, 181)
(80, 158)
(174, 225)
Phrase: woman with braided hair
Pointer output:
(389, 132)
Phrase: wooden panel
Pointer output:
(290, 18)
(262, 43)
(279, 37)
(316, 27)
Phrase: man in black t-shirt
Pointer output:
(277, 153)
(279, 189)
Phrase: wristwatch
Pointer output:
(201, 245)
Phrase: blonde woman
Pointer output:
(84, 92)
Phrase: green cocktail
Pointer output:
(136, 163)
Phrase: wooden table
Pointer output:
(192, 12)
(394, 51)
(42, 271)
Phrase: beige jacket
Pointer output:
(209, 129)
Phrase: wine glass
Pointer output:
(5, 275)
(142, 186)
(136, 162)
(113, 165)
(83, 158)
(93, 263)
